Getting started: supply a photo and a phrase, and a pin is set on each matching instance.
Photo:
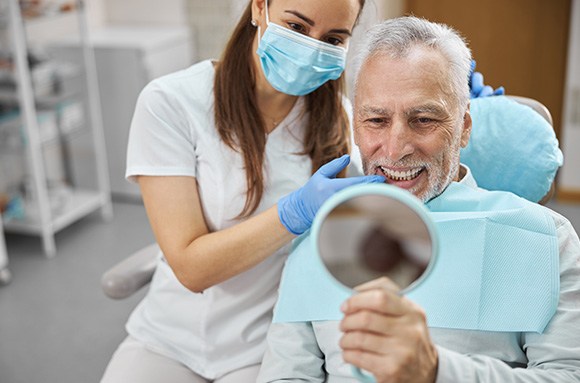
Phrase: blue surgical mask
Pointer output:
(297, 64)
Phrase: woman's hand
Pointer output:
(297, 209)
(478, 89)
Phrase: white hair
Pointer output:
(396, 37)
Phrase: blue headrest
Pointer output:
(512, 148)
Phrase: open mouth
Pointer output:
(406, 175)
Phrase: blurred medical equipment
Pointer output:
(131, 274)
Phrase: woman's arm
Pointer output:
(198, 258)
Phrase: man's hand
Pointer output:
(386, 335)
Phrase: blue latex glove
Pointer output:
(478, 89)
(297, 209)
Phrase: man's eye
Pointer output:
(375, 120)
(424, 120)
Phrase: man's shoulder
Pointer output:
(559, 219)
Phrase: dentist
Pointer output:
(224, 153)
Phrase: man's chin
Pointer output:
(432, 192)
(424, 196)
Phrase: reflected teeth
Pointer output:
(401, 176)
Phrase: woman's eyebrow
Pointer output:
(301, 16)
(312, 23)
(340, 31)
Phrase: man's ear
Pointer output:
(352, 121)
(466, 130)
(259, 12)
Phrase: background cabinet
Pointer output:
(127, 58)
(41, 120)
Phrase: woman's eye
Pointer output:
(297, 27)
(334, 41)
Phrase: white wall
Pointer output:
(391, 8)
(569, 178)
(374, 12)
(212, 23)
(146, 12)
(96, 12)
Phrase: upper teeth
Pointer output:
(402, 176)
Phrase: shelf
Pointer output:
(39, 21)
(44, 118)
(50, 17)
(10, 97)
(48, 122)
(79, 204)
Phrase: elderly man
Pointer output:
(411, 117)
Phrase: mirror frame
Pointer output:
(385, 190)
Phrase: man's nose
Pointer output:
(398, 142)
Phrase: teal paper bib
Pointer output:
(497, 268)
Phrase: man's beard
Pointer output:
(438, 177)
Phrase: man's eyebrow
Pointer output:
(368, 109)
(312, 23)
(427, 108)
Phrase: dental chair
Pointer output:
(512, 147)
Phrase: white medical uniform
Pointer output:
(173, 134)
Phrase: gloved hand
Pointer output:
(477, 87)
(297, 209)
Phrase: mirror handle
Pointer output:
(362, 376)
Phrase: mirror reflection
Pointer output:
(371, 236)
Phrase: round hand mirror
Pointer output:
(370, 231)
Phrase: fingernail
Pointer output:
(343, 307)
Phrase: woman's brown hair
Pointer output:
(242, 127)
